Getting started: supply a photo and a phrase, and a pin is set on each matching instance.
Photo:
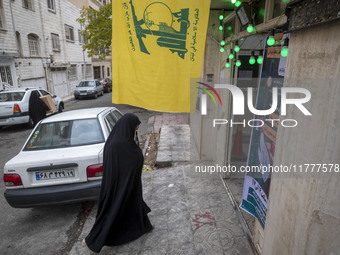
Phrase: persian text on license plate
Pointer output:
(56, 174)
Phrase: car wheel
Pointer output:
(60, 108)
(30, 123)
(95, 96)
(76, 97)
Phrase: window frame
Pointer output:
(33, 40)
(2, 16)
(69, 32)
(55, 37)
(28, 4)
(51, 5)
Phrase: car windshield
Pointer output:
(65, 134)
(11, 96)
(87, 84)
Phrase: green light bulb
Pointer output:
(231, 55)
(284, 51)
(250, 28)
(285, 1)
(237, 48)
(222, 43)
(238, 63)
(252, 60)
(227, 65)
(221, 17)
(222, 50)
(220, 27)
(229, 28)
(259, 60)
(238, 3)
(233, 1)
(271, 40)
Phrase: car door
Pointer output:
(99, 87)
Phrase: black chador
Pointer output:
(122, 212)
(36, 108)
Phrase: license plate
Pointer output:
(83, 94)
(57, 174)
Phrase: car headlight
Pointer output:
(90, 91)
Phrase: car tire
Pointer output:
(95, 96)
(60, 108)
(76, 98)
(30, 123)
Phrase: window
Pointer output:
(17, 34)
(55, 42)
(5, 74)
(33, 44)
(72, 72)
(51, 5)
(88, 71)
(44, 92)
(28, 4)
(108, 71)
(2, 16)
(81, 37)
(69, 33)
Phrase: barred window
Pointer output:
(28, 4)
(51, 5)
(72, 72)
(55, 42)
(5, 75)
(69, 32)
(33, 44)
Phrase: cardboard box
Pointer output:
(49, 102)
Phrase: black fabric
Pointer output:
(37, 108)
(122, 212)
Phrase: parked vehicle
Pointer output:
(89, 88)
(14, 105)
(107, 83)
(62, 160)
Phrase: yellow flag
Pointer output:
(157, 47)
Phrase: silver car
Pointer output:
(89, 88)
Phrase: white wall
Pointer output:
(304, 213)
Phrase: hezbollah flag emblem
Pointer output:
(157, 47)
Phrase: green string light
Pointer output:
(238, 63)
(222, 50)
(231, 55)
(271, 40)
(260, 60)
(229, 28)
(227, 65)
(284, 51)
(237, 48)
(238, 3)
(250, 28)
(222, 43)
(220, 27)
(221, 17)
(252, 60)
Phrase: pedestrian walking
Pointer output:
(122, 212)
(36, 108)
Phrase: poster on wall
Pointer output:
(262, 142)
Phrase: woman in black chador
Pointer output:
(122, 212)
(36, 108)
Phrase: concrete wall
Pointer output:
(304, 213)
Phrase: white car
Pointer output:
(62, 160)
(14, 105)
